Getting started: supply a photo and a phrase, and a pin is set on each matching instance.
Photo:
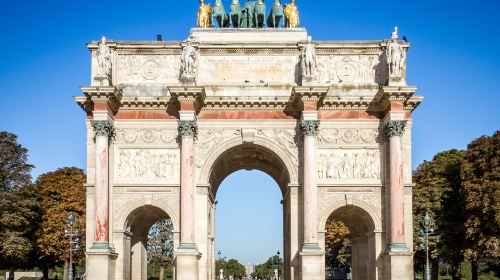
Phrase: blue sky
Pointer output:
(454, 59)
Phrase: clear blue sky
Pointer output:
(455, 60)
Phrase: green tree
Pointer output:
(61, 193)
(438, 191)
(266, 270)
(481, 186)
(338, 244)
(161, 245)
(18, 204)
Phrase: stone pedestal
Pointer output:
(101, 264)
(186, 264)
(311, 265)
(398, 266)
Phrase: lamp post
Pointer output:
(278, 253)
(73, 241)
(427, 230)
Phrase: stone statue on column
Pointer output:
(309, 60)
(396, 57)
(103, 75)
(188, 61)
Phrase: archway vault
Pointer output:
(249, 157)
(262, 154)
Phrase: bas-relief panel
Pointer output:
(147, 69)
(354, 69)
(250, 69)
(147, 166)
(347, 166)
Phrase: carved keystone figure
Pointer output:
(276, 15)
(260, 13)
(220, 14)
(236, 15)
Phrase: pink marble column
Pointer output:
(395, 131)
(187, 131)
(102, 130)
(309, 129)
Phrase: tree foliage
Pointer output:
(14, 167)
(338, 244)
(61, 193)
(231, 268)
(266, 270)
(481, 186)
(161, 245)
(438, 191)
(18, 204)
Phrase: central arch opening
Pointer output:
(249, 183)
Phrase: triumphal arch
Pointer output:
(330, 121)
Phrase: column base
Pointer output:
(311, 264)
(397, 248)
(186, 261)
(101, 262)
(311, 247)
(398, 266)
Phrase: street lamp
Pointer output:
(278, 253)
(427, 230)
(73, 241)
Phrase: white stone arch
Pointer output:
(291, 165)
(372, 212)
(136, 204)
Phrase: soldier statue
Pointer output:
(396, 56)
(309, 62)
(103, 75)
(188, 61)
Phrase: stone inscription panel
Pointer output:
(249, 69)
(147, 166)
(349, 166)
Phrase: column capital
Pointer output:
(102, 127)
(188, 128)
(395, 128)
(309, 127)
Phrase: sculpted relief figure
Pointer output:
(292, 19)
(144, 164)
(396, 56)
(188, 61)
(103, 75)
(204, 15)
(349, 165)
(309, 62)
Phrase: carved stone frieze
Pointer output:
(353, 69)
(147, 164)
(145, 136)
(136, 69)
(348, 136)
(349, 165)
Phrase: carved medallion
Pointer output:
(150, 70)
